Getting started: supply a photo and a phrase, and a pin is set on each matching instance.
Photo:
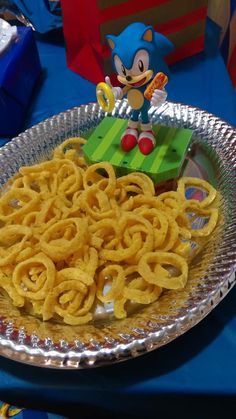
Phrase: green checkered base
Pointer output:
(162, 164)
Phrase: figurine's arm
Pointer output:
(117, 91)
(108, 94)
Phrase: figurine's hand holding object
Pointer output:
(158, 97)
(117, 91)
(107, 94)
(155, 91)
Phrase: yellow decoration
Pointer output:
(105, 97)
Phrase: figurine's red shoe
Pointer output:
(146, 142)
(129, 139)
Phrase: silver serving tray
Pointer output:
(213, 156)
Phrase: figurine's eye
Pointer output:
(123, 69)
(141, 62)
(120, 68)
(140, 65)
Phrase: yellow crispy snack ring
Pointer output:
(161, 277)
(71, 149)
(115, 274)
(142, 201)
(64, 238)
(159, 222)
(73, 236)
(136, 182)
(171, 235)
(138, 290)
(6, 285)
(132, 224)
(211, 213)
(17, 202)
(69, 178)
(47, 166)
(136, 237)
(13, 240)
(200, 183)
(34, 283)
(44, 183)
(71, 298)
(91, 173)
(96, 203)
(105, 233)
(85, 259)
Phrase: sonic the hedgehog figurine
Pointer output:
(137, 55)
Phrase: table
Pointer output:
(194, 375)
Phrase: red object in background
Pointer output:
(86, 23)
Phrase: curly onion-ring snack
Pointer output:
(210, 213)
(12, 241)
(71, 149)
(34, 277)
(72, 297)
(74, 237)
(64, 238)
(162, 276)
(116, 274)
(200, 183)
(16, 203)
(92, 171)
(138, 290)
(6, 285)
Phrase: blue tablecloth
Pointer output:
(194, 375)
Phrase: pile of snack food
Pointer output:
(74, 235)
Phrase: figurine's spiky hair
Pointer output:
(138, 36)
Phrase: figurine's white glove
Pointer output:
(158, 97)
(117, 91)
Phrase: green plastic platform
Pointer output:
(162, 164)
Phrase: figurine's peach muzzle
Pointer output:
(136, 80)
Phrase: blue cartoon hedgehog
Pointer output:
(137, 55)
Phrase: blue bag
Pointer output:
(44, 15)
(19, 71)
